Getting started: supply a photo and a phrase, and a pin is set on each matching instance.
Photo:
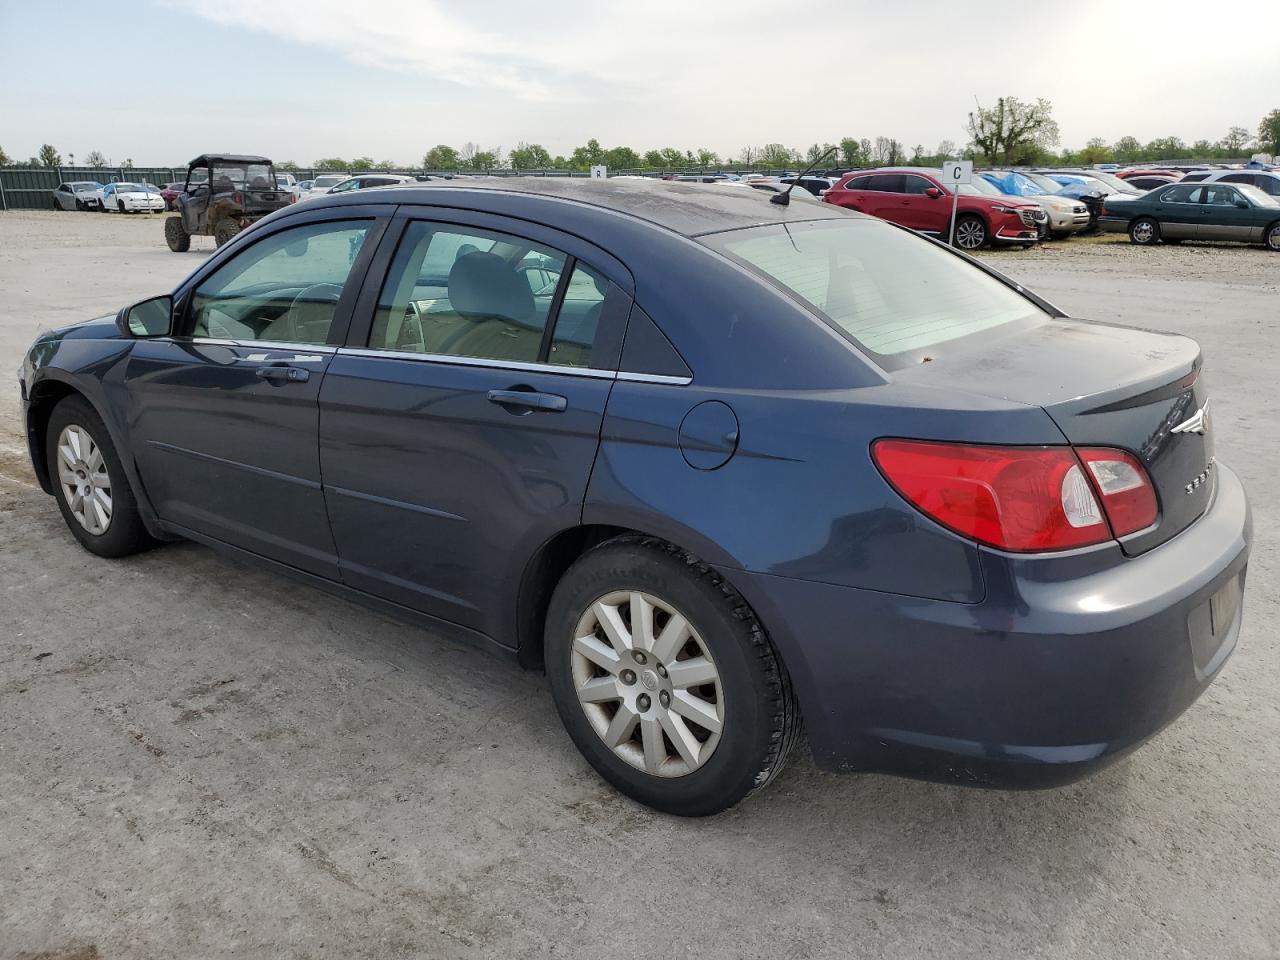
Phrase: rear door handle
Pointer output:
(284, 374)
(529, 400)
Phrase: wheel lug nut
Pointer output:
(628, 677)
(662, 671)
(664, 698)
(640, 657)
(643, 702)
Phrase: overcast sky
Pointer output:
(162, 81)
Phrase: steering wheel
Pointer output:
(311, 310)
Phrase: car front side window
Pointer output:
(284, 289)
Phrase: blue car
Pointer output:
(733, 472)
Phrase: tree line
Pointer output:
(1010, 132)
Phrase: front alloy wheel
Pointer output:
(971, 233)
(647, 683)
(86, 485)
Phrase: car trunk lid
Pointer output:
(1104, 386)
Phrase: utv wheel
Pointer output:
(90, 484)
(971, 232)
(1144, 231)
(1273, 237)
(175, 234)
(665, 680)
(226, 229)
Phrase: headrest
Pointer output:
(484, 285)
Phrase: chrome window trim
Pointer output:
(256, 344)
(450, 359)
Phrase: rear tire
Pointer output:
(175, 234)
(1144, 232)
(225, 231)
(1273, 237)
(81, 457)
(707, 710)
(971, 232)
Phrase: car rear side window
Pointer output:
(466, 292)
(284, 288)
(1180, 194)
(887, 183)
(882, 287)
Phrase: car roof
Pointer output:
(226, 158)
(689, 209)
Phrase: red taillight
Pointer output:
(1020, 498)
(235, 198)
(1127, 494)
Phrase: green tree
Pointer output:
(587, 156)
(852, 154)
(4, 158)
(331, 165)
(49, 156)
(1167, 148)
(361, 164)
(1127, 149)
(1096, 150)
(529, 156)
(288, 166)
(671, 157)
(95, 159)
(1203, 148)
(1011, 128)
(440, 157)
(707, 158)
(1269, 133)
(946, 151)
(621, 158)
(750, 156)
(1236, 140)
(776, 155)
(653, 158)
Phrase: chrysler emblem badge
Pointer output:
(1198, 422)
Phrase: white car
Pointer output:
(131, 198)
(322, 183)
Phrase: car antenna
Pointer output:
(784, 197)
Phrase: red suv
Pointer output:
(915, 198)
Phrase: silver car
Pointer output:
(78, 195)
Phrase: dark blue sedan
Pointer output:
(731, 471)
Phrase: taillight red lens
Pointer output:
(1127, 494)
(1022, 498)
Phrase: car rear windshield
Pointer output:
(889, 291)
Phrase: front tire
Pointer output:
(120, 205)
(1145, 232)
(176, 236)
(665, 680)
(971, 232)
(90, 484)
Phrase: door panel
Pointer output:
(435, 491)
(224, 417)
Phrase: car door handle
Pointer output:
(284, 374)
(529, 400)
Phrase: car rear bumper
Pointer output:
(1113, 224)
(1043, 682)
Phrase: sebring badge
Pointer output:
(1198, 422)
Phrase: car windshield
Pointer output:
(1260, 198)
(85, 187)
(1114, 182)
(130, 188)
(885, 289)
(328, 181)
(1044, 183)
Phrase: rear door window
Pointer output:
(887, 183)
(1180, 194)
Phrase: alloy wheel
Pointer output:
(82, 473)
(647, 683)
(970, 234)
(1273, 238)
(1144, 231)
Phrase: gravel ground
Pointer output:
(200, 759)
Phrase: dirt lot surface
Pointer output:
(198, 759)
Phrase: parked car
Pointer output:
(131, 198)
(814, 184)
(286, 182)
(170, 193)
(322, 183)
(300, 189)
(78, 195)
(1148, 172)
(1151, 181)
(1265, 180)
(914, 197)
(723, 491)
(366, 180)
(1197, 211)
(1110, 180)
(1066, 215)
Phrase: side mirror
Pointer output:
(932, 192)
(1242, 204)
(148, 318)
